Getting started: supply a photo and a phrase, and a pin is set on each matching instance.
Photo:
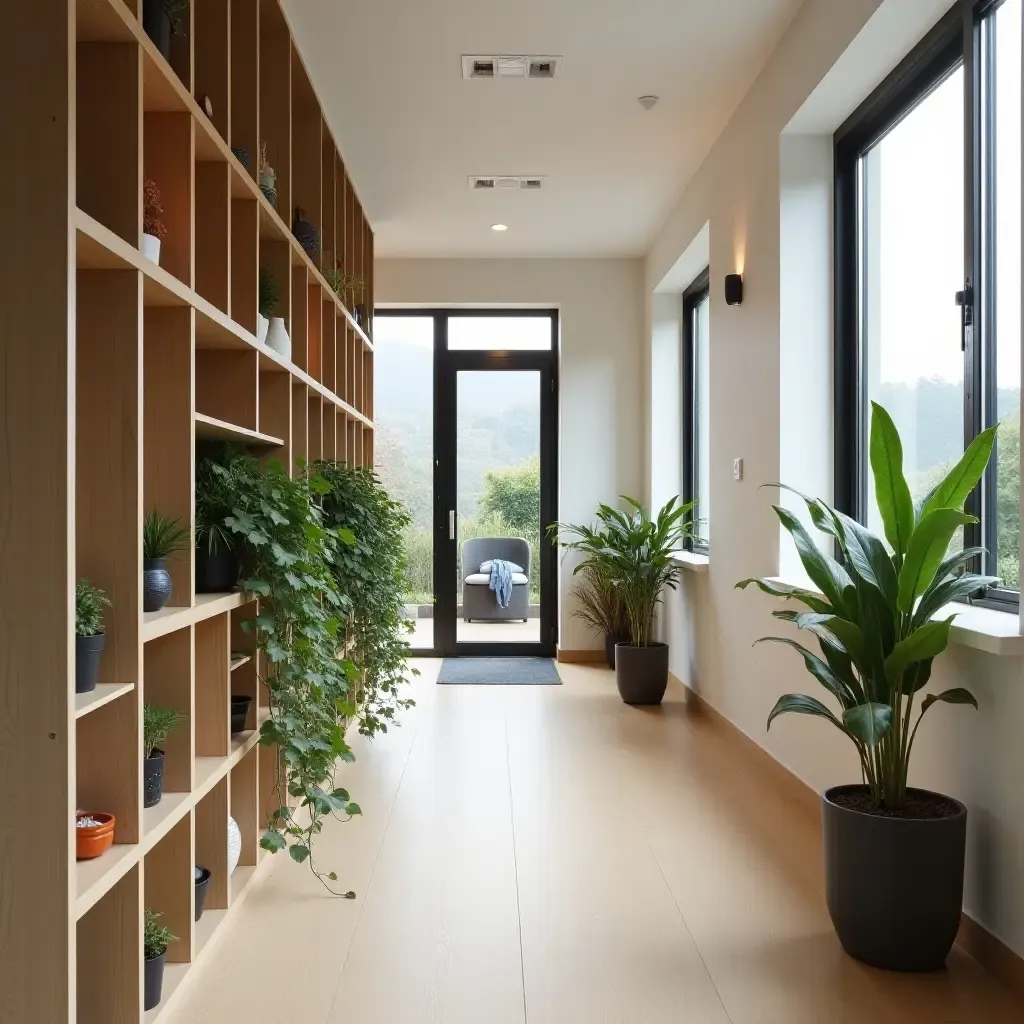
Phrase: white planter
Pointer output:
(262, 326)
(234, 845)
(151, 247)
(277, 338)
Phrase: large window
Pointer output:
(697, 405)
(928, 236)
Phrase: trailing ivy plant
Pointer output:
(371, 573)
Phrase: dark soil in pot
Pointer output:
(154, 981)
(217, 573)
(87, 661)
(610, 640)
(239, 712)
(894, 880)
(153, 779)
(641, 673)
(157, 24)
(156, 584)
(203, 876)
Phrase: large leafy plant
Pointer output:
(635, 550)
(874, 609)
(370, 571)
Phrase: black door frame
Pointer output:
(446, 368)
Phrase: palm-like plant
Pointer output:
(874, 610)
(636, 553)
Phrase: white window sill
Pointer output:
(983, 629)
(691, 561)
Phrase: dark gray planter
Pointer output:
(239, 712)
(202, 883)
(156, 584)
(156, 23)
(154, 983)
(610, 640)
(641, 673)
(87, 661)
(217, 573)
(894, 886)
(153, 779)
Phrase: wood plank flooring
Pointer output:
(546, 855)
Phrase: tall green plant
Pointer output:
(598, 603)
(873, 613)
(636, 552)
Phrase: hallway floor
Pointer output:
(545, 854)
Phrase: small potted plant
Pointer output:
(157, 724)
(894, 855)
(202, 883)
(155, 940)
(217, 562)
(89, 636)
(153, 227)
(599, 607)
(239, 712)
(162, 536)
(161, 19)
(269, 296)
(94, 834)
(267, 177)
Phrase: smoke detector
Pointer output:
(648, 102)
(514, 66)
(506, 182)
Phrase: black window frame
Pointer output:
(698, 290)
(956, 40)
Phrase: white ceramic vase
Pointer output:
(262, 326)
(234, 845)
(151, 247)
(277, 337)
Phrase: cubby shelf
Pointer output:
(211, 428)
(170, 619)
(103, 694)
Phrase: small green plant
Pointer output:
(157, 724)
(599, 604)
(155, 937)
(348, 287)
(269, 293)
(218, 482)
(163, 535)
(334, 278)
(177, 11)
(89, 604)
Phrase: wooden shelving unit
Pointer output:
(115, 369)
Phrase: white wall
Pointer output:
(600, 304)
(740, 192)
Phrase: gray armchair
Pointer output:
(478, 600)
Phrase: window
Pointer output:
(928, 269)
(697, 405)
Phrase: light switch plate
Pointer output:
(737, 469)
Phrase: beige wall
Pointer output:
(601, 419)
(976, 756)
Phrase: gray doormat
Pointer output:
(498, 672)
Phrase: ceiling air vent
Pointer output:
(509, 66)
(494, 182)
(478, 184)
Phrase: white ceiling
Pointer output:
(412, 130)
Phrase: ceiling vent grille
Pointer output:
(506, 182)
(509, 66)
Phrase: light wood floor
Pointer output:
(545, 854)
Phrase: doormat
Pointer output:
(498, 672)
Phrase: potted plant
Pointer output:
(239, 712)
(269, 295)
(94, 834)
(162, 536)
(599, 607)
(153, 227)
(267, 177)
(155, 940)
(636, 552)
(157, 724)
(894, 855)
(89, 636)
(202, 878)
(217, 562)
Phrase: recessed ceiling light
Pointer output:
(499, 227)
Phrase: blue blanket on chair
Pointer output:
(501, 581)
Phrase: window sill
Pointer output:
(692, 561)
(983, 629)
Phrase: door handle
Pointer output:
(451, 524)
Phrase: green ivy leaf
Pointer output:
(272, 840)
(298, 853)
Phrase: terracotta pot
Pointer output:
(94, 840)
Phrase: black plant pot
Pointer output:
(202, 884)
(154, 981)
(216, 573)
(87, 661)
(157, 24)
(894, 886)
(239, 712)
(641, 673)
(610, 640)
(153, 779)
(156, 584)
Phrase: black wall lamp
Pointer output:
(733, 289)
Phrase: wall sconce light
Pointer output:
(733, 289)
